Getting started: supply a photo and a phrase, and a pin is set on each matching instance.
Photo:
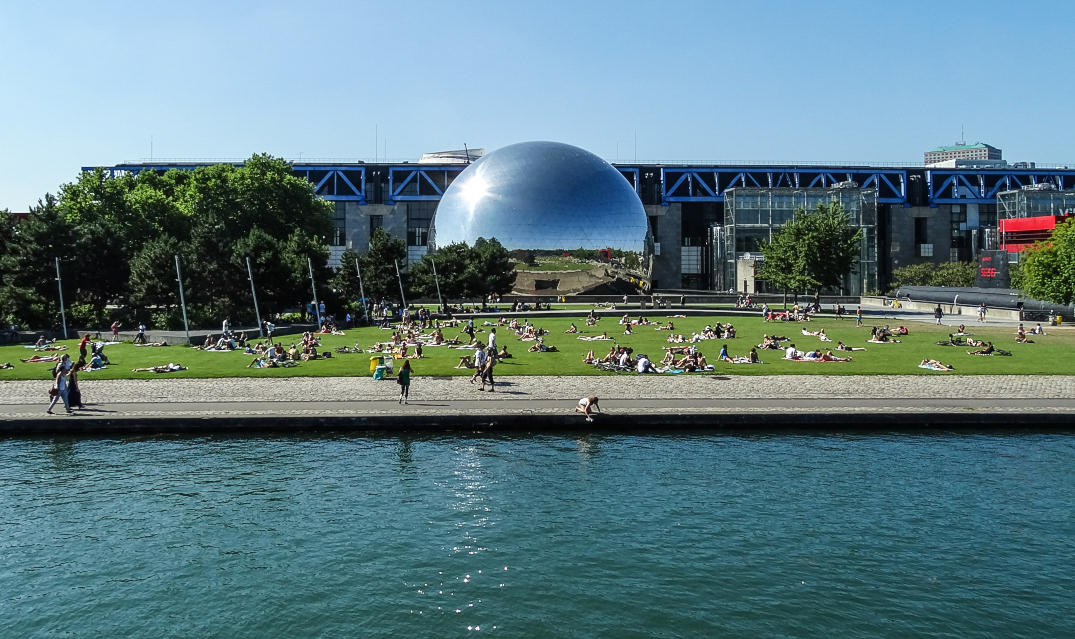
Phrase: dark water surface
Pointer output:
(780, 535)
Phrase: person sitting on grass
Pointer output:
(665, 327)
(1037, 330)
(465, 362)
(988, 350)
(751, 357)
(627, 329)
(1021, 338)
(503, 352)
(723, 355)
(643, 365)
(572, 328)
(792, 353)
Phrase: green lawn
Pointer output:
(1050, 354)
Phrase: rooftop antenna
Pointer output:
(962, 135)
(467, 151)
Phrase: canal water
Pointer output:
(587, 535)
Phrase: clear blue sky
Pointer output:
(87, 83)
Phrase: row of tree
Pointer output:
(452, 273)
(116, 239)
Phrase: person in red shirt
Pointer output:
(82, 346)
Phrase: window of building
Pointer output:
(339, 219)
(921, 226)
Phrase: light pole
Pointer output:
(400, 279)
(437, 281)
(317, 311)
(250, 276)
(362, 292)
(59, 286)
(182, 300)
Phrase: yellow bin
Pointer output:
(376, 361)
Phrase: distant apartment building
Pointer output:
(960, 151)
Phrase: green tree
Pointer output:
(378, 265)
(493, 267)
(1048, 268)
(813, 251)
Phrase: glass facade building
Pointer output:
(753, 215)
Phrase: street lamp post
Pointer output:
(182, 300)
(250, 276)
(59, 286)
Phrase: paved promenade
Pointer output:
(536, 403)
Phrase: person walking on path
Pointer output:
(82, 346)
(140, 338)
(938, 313)
(74, 393)
(403, 378)
(479, 364)
(586, 405)
(115, 330)
(487, 372)
(858, 316)
(981, 312)
(492, 341)
(59, 389)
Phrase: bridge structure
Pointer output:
(353, 182)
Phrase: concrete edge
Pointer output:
(652, 423)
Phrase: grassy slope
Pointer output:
(1050, 354)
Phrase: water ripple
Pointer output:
(782, 535)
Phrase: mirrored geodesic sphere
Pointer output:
(549, 202)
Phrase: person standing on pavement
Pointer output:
(858, 316)
(82, 346)
(487, 372)
(59, 389)
(140, 338)
(403, 378)
(492, 342)
(74, 393)
(938, 313)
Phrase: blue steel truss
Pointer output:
(342, 182)
(708, 184)
(980, 186)
(336, 183)
(416, 183)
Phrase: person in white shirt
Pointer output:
(791, 353)
(479, 363)
(492, 339)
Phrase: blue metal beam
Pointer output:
(980, 186)
(415, 183)
(709, 184)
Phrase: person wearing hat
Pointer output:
(587, 404)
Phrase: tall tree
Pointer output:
(813, 251)
(378, 268)
(496, 273)
(1048, 268)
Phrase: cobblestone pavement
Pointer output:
(695, 388)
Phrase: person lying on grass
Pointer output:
(840, 346)
(934, 365)
(541, 347)
(165, 368)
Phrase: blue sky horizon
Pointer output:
(90, 84)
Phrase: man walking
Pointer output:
(938, 313)
(487, 373)
(858, 316)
